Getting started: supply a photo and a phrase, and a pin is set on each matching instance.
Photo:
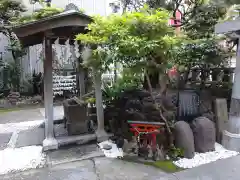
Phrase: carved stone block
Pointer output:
(76, 117)
(221, 117)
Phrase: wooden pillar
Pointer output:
(50, 142)
(101, 133)
(82, 88)
(80, 72)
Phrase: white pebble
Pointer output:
(204, 158)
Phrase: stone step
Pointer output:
(73, 153)
(79, 139)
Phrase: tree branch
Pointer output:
(159, 107)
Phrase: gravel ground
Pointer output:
(204, 158)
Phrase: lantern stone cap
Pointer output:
(229, 28)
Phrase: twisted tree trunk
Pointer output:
(160, 109)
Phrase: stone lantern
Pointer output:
(231, 136)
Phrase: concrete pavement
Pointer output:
(102, 168)
(94, 169)
(29, 115)
(226, 169)
(24, 127)
(21, 116)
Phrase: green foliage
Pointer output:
(201, 47)
(10, 9)
(43, 13)
(91, 100)
(98, 59)
(11, 74)
(199, 52)
(126, 82)
(46, 11)
(134, 39)
(130, 79)
(170, 5)
(175, 153)
(203, 23)
(188, 7)
(11, 69)
(232, 12)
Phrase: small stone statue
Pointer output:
(204, 134)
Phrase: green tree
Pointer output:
(10, 9)
(140, 40)
(188, 8)
(201, 47)
(200, 52)
(198, 22)
(42, 13)
(202, 25)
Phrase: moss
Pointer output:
(5, 110)
(166, 166)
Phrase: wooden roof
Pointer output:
(63, 26)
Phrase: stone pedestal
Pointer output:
(231, 138)
(50, 144)
(231, 141)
